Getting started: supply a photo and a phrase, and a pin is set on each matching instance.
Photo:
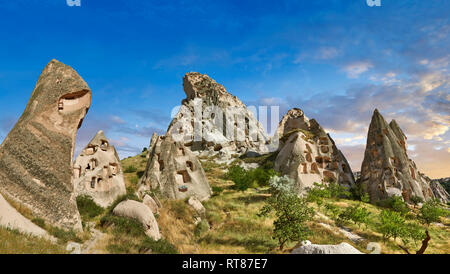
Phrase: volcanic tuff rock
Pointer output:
(386, 169)
(175, 171)
(220, 120)
(36, 156)
(342, 248)
(308, 154)
(98, 173)
(439, 192)
(141, 213)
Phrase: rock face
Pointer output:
(175, 171)
(213, 121)
(386, 169)
(98, 173)
(308, 154)
(439, 192)
(342, 248)
(36, 156)
(141, 213)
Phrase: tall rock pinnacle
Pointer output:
(36, 156)
(386, 169)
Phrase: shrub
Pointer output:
(130, 169)
(395, 203)
(87, 207)
(201, 228)
(217, 190)
(40, 222)
(431, 212)
(244, 179)
(392, 224)
(416, 200)
(358, 215)
(365, 198)
(333, 210)
(122, 225)
(292, 213)
(64, 235)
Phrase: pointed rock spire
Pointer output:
(98, 172)
(36, 156)
(386, 169)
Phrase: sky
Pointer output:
(337, 60)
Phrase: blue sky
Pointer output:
(335, 59)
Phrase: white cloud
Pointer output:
(354, 70)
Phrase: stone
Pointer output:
(386, 169)
(175, 171)
(11, 218)
(36, 157)
(439, 192)
(197, 206)
(151, 203)
(98, 173)
(141, 213)
(342, 248)
(301, 155)
(210, 119)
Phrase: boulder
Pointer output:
(151, 203)
(386, 169)
(197, 206)
(36, 157)
(98, 173)
(175, 171)
(210, 119)
(342, 248)
(141, 213)
(308, 155)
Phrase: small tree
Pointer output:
(391, 224)
(357, 214)
(365, 198)
(431, 212)
(333, 210)
(317, 193)
(292, 213)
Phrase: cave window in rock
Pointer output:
(104, 145)
(93, 163)
(74, 101)
(93, 180)
(181, 151)
(314, 168)
(185, 175)
(99, 181)
(77, 172)
(344, 168)
(161, 165)
(91, 149)
(304, 168)
(319, 159)
(190, 165)
(114, 168)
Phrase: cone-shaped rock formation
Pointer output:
(98, 172)
(36, 156)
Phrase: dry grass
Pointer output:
(13, 242)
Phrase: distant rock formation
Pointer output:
(36, 156)
(98, 173)
(386, 169)
(212, 121)
(308, 154)
(175, 171)
(439, 192)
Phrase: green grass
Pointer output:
(88, 208)
(14, 242)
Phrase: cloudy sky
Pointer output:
(335, 59)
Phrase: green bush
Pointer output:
(431, 212)
(217, 190)
(416, 200)
(365, 198)
(87, 207)
(130, 169)
(40, 222)
(201, 228)
(357, 214)
(392, 224)
(122, 225)
(292, 213)
(244, 179)
(64, 235)
(395, 203)
(332, 210)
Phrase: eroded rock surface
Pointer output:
(98, 173)
(439, 192)
(175, 171)
(386, 169)
(213, 121)
(342, 248)
(308, 154)
(141, 213)
(36, 156)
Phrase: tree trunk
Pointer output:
(424, 243)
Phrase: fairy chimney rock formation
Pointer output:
(36, 156)
(175, 171)
(307, 153)
(212, 121)
(98, 173)
(386, 169)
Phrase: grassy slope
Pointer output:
(13, 242)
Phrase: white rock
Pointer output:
(342, 248)
(197, 205)
(148, 201)
(141, 213)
